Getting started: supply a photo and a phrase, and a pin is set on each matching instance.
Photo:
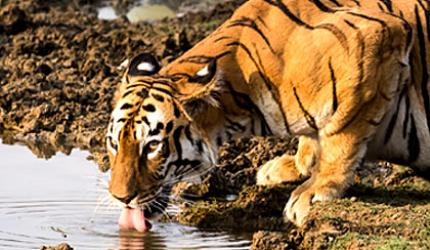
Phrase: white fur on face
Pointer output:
(124, 64)
(117, 126)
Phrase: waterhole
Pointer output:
(64, 199)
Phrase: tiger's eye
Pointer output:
(152, 146)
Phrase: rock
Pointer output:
(264, 240)
(62, 246)
(13, 20)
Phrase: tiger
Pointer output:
(349, 78)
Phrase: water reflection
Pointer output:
(41, 147)
(64, 199)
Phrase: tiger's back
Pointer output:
(307, 33)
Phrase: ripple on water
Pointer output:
(65, 199)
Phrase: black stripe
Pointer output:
(126, 106)
(140, 84)
(248, 22)
(350, 24)
(383, 95)
(338, 33)
(276, 96)
(425, 75)
(281, 6)
(112, 144)
(202, 59)
(309, 118)
(161, 81)
(259, 18)
(427, 16)
(219, 141)
(165, 151)
(243, 101)
(177, 142)
(406, 120)
(165, 91)
(146, 121)
(149, 108)
(225, 53)
(182, 166)
(413, 142)
(409, 35)
(198, 59)
(267, 82)
(222, 38)
(322, 7)
(393, 120)
(200, 146)
(157, 130)
(145, 81)
(188, 134)
(127, 93)
(143, 93)
(388, 4)
(334, 82)
(362, 45)
(176, 110)
(169, 127)
(158, 97)
(336, 3)
(357, 2)
(373, 19)
(236, 126)
(172, 78)
(381, 8)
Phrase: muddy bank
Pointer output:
(387, 208)
(58, 72)
(59, 67)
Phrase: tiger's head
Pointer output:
(153, 139)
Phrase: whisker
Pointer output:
(160, 208)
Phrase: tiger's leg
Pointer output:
(288, 168)
(333, 174)
(343, 148)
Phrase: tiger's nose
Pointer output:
(125, 199)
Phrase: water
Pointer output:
(64, 199)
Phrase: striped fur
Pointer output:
(350, 77)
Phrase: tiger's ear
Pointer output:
(144, 64)
(203, 90)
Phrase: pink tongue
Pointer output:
(134, 218)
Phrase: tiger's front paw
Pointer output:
(279, 170)
(304, 196)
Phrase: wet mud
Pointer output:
(59, 70)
